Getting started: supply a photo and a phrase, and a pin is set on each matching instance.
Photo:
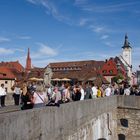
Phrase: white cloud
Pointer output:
(46, 50)
(52, 9)
(83, 21)
(115, 7)
(43, 62)
(97, 29)
(4, 39)
(4, 51)
(109, 44)
(32, 1)
(80, 2)
(19, 50)
(104, 37)
(24, 37)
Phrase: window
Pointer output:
(124, 122)
(121, 137)
(111, 71)
(6, 82)
(104, 71)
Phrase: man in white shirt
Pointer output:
(82, 92)
(94, 91)
(2, 95)
(108, 91)
(17, 93)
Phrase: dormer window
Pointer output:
(104, 71)
(111, 71)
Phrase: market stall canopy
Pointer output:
(40, 79)
(56, 79)
(35, 79)
(65, 79)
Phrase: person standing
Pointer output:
(108, 91)
(17, 93)
(94, 91)
(99, 92)
(2, 95)
(82, 92)
(88, 91)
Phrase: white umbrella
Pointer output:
(40, 79)
(56, 79)
(33, 79)
(65, 79)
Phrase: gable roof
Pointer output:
(6, 73)
(110, 68)
(13, 65)
(78, 64)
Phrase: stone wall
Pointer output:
(94, 118)
(129, 123)
(128, 117)
(102, 127)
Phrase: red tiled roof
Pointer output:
(6, 73)
(77, 64)
(13, 65)
(109, 68)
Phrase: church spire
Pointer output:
(28, 56)
(126, 43)
(28, 62)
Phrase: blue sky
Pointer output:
(68, 30)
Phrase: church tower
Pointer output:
(28, 62)
(127, 52)
(126, 57)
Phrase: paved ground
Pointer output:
(9, 100)
(10, 108)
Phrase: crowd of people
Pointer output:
(34, 95)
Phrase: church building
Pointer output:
(126, 57)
